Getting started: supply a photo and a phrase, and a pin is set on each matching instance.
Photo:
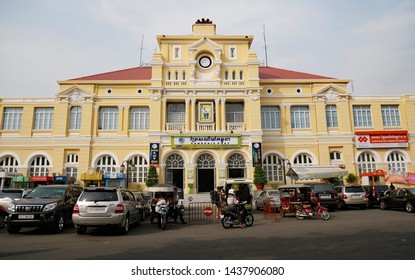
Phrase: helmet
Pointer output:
(231, 191)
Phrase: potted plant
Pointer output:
(351, 178)
(259, 177)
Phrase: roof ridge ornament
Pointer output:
(203, 21)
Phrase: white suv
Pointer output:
(106, 206)
(353, 195)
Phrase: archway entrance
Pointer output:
(236, 166)
(175, 171)
(205, 173)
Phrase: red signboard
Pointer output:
(208, 211)
(381, 139)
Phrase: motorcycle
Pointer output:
(162, 213)
(230, 217)
(307, 211)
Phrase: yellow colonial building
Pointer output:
(203, 111)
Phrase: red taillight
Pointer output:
(373, 192)
(119, 209)
(76, 209)
(344, 196)
(366, 195)
(335, 195)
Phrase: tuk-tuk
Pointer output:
(291, 197)
(169, 192)
(242, 187)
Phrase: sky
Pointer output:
(370, 42)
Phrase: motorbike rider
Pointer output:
(233, 204)
(174, 208)
(160, 201)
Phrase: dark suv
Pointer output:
(325, 193)
(49, 205)
(374, 194)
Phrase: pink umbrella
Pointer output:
(410, 178)
(396, 179)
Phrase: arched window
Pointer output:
(241, 75)
(303, 160)
(8, 164)
(138, 175)
(270, 165)
(39, 166)
(366, 163)
(184, 75)
(226, 75)
(236, 166)
(396, 162)
(71, 165)
(205, 161)
(175, 161)
(233, 75)
(168, 75)
(176, 75)
(107, 164)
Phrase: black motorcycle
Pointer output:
(230, 216)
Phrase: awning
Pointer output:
(315, 172)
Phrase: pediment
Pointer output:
(75, 94)
(331, 93)
(205, 44)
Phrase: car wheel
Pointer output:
(126, 226)
(60, 223)
(383, 205)
(81, 229)
(13, 229)
(409, 207)
(341, 205)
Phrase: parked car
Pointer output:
(325, 193)
(14, 193)
(268, 196)
(44, 206)
(403, 198)
(106, 206)
(352, 196)
(144, 203)
(375, 193)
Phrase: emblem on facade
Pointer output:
(331, 94)
(76, 97)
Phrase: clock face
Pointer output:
(205, 62)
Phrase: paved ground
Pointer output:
(352, 234)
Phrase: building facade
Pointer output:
(204, 110)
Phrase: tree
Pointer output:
(259, 176)
(351, 178)
(152, 177)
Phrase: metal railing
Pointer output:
(202, 211)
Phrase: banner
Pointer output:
(154, 154)
(256, 153)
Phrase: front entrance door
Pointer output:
(206, 180)
(205, 173)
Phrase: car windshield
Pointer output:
(274, 193)
(99, 195)
(323, 188)
(412, 191)
(10, 194)
(354, 189)
(47, 192)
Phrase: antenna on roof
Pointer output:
(265, 47)
(141, 51)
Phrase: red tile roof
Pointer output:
(277, 73)
(144, 73)
(136, 73)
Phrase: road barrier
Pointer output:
(202, 211)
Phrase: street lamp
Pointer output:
(282, 166)
(130, 166)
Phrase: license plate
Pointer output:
(325, 196)
(94, 209)
(26, 217)
(356, 196)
